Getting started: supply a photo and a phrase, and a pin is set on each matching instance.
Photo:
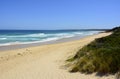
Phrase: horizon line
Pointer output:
(58, 29)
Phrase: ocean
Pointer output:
(9, 37)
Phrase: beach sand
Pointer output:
(45, 61)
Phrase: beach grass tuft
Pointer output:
(102, 55)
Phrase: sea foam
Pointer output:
(23, 37)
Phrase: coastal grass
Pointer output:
(102, 55)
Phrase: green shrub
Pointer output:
(101, 55)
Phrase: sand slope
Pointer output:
(44, 62)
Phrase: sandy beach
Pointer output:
(45, 61)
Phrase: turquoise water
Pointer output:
(8, 37)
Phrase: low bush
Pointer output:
(101, 55)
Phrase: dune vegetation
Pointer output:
(102, 55)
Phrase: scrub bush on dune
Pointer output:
(102, 55)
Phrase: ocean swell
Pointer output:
(9, 39)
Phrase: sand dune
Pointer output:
(44, 62)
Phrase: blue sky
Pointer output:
(59, 14)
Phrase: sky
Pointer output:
(59, 14)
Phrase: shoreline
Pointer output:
(45, 61)
(63, 40)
